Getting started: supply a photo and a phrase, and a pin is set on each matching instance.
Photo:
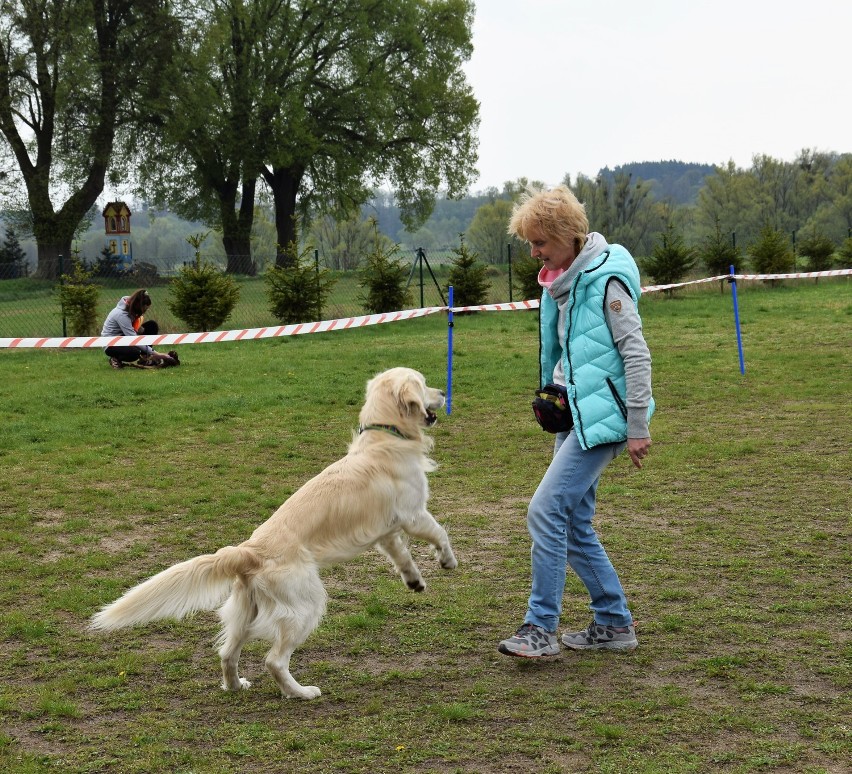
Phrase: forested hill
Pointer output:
(677, 181)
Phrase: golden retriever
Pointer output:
(270, 584)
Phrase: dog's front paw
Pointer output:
(304, 692)
(416, 585)
(448, 560)
(241, 686)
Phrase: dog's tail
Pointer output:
(202, 583)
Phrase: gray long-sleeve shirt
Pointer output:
(118, 323)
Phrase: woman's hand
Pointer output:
(638, 448)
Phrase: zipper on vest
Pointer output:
(572, 300)
(622, 407)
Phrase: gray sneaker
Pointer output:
(530, 641)
(597, 637)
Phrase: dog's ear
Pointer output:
(409, 396)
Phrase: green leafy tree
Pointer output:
(839, 198)
(72, 74)
(201, 295)
(78, 299)
(424, 237)
(512, 189)
(671, 258)
(297, 291)
(818, 251)
(729, 201)
(718, 252)
(621, 208)
(487, 231)
(383, 277)
(202, 156)
(845, 253)
(777, 183)
(813, 184)
(342, 243)
(320, 98)
(468, 276)
(371, 95)
(771, 253)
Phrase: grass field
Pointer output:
(733, 544)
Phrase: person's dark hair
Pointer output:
(138, 303)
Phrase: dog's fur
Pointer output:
(270, 584)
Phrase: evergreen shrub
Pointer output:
(201, 295)
(468, 277)
(771, 253)
(383, 278)
(78, 299)
(297, 291)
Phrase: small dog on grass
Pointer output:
(268, 587)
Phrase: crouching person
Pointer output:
(127, 319)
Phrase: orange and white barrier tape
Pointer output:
(512, 306)
(655, 288)
(343, 323)
(533, 304)
(247, 334)
(797, 275)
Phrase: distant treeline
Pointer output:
(677, 182)
(674, 181)
(633, 204)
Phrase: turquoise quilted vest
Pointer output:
(594, 370)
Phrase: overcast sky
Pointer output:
(566, 86)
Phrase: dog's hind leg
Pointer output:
(424, 527)
(394, 547)
(236, 615)
(300, 607)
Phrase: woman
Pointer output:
(127, 319)
(592, 346)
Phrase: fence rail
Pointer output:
(31, 307)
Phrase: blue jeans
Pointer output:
(559, 519)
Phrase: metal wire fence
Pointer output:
(31, 307)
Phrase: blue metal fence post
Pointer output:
(733, 281)
(450, 351)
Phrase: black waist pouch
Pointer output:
(551, 409)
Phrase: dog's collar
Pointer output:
(385, 429)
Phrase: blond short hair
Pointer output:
(556, 213)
